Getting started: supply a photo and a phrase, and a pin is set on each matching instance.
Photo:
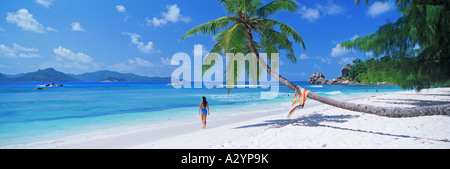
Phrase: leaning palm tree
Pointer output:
(248, 19)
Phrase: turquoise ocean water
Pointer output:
(30, 116)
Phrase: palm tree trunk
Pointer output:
(381, 111)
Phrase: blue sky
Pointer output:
(141, 36)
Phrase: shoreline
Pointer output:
(130, 136)
(325, 126)
(150, 133)
(225, 130)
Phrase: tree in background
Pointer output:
(373, 70)
(418, 42)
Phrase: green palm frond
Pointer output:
(257, 4)
(217, 49)
(399, 2)
(273, 41)
(233, 49)
(212, 27)
(232, 37)
(231, 6)
(276, 6)
(240, 7)
(286, 30)
(358, 2)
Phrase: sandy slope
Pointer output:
(324, 126)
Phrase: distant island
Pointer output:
(112, 79)
(51, 75)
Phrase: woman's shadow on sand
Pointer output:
(315, 120)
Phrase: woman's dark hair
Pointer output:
(204, 101)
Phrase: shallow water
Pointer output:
(28, 116)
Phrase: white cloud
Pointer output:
(346, 60)
(29, 55)
(334, 9)
(331, 8)
(322, 59)
(121, 8)
(131, 64)
(121, 67)
(45, 3)
(51, 29)
(72, 56)
(165, 61)
(140, 62)
(6, 51)
(294, 74)
(309, 14)
(312, 14)
(142, 47)
(76, 26)
(25, 20)
(339, 51)
(379, 8)
(69, 60)
(69, 65)
(17, 47)
(326, 60)
(155, 21)
(16, 51)
(354, 37)
(303, 57)
(172, 15)
(4, 66)
(317, 66)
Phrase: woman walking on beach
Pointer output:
(203, 110)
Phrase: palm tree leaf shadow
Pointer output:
(315, 120)
(312, 120)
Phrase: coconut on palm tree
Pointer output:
(248, 19)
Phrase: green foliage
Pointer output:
(373, 70)
(212, 27)
(249, 19)
(357, 71)
(418, 42)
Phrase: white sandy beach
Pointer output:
(317, 126)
